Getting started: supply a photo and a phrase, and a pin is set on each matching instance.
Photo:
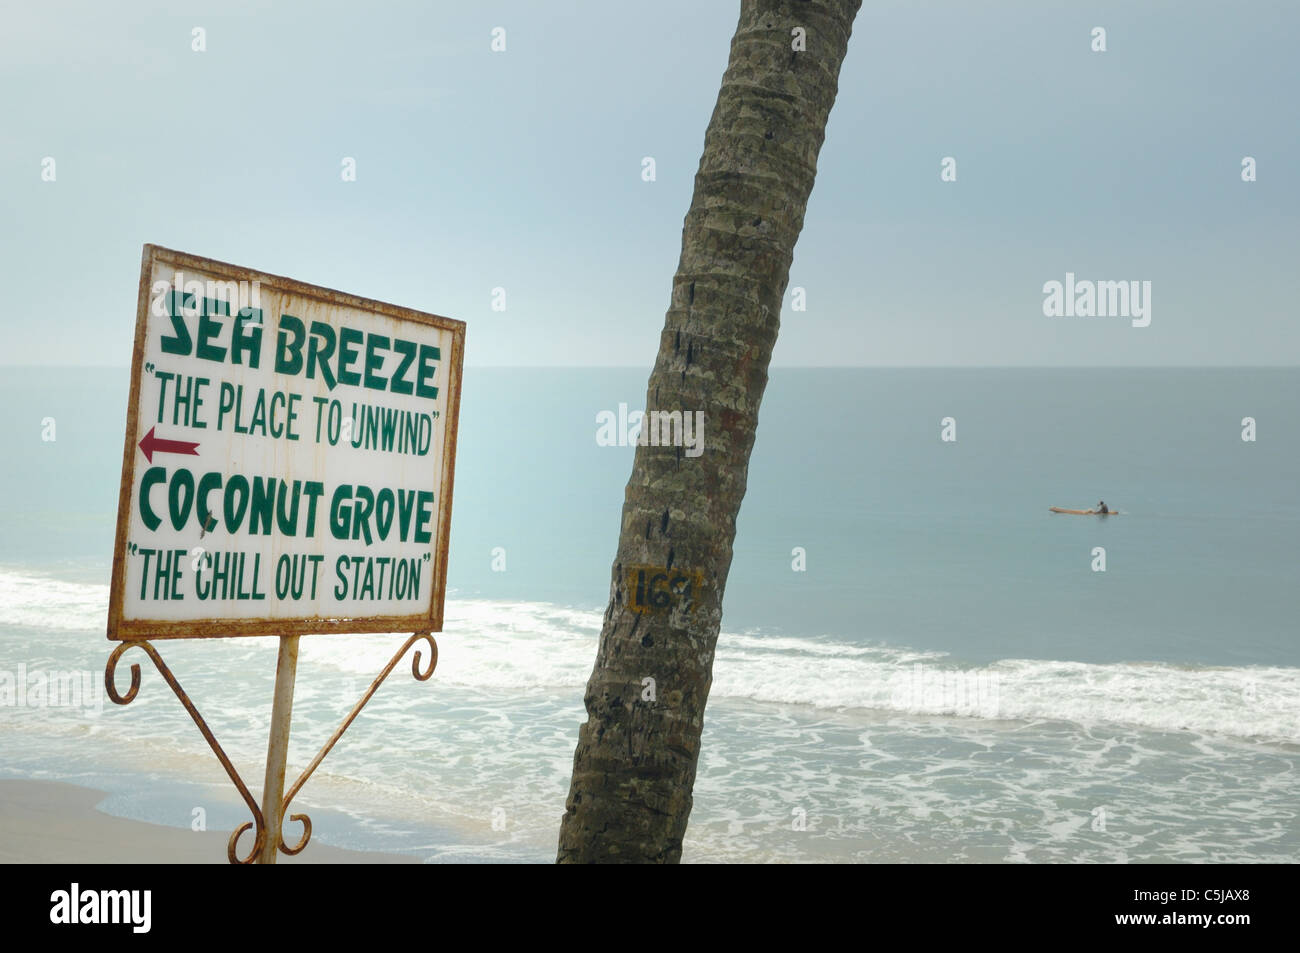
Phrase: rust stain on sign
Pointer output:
(288, 461)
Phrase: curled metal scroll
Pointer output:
(258, 823)
(420, 675)
(109, 678)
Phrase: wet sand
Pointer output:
(48, 822)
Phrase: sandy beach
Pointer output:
(48, 822)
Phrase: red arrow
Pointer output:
(151, 445)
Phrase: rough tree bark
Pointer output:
(634, 766)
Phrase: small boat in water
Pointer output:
(1057, 509)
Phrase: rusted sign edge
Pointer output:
(122, 630)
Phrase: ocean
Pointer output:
(918, 662)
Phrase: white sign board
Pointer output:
(288, 459)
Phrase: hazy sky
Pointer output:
(522, 169)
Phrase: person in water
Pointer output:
(1102, 508)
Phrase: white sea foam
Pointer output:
(523, 647)
(37, 601)
(519, 647)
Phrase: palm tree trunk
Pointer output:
(634, 766)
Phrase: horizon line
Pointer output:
(799, 367)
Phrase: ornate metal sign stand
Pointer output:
(268, 819)
(245, 335)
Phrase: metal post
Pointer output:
(277, 748)
(267, 822)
